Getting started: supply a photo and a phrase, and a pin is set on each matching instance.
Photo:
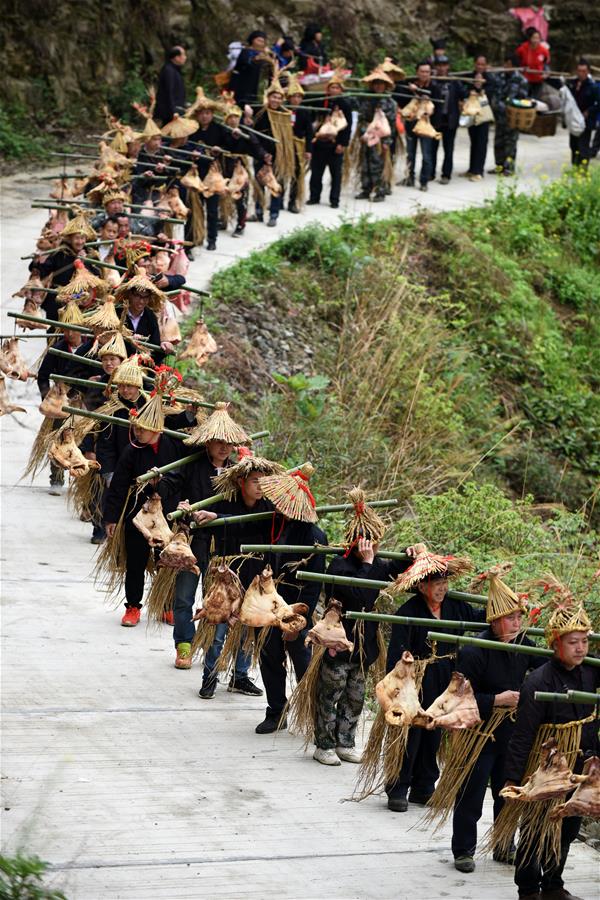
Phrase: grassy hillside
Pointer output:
(452, 361)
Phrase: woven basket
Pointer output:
(521, 119)
(544, 125)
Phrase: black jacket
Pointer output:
(245, 77)
(136, 461)
(302, 125)
(355, 599)
(414, 638)
(170, 93)
(292, 590)
(148, 327)
(229, 538)
(55, 365)
(60, 266)
(143, 185)
(113, 440)
(447, 113)
(553, 678)
(492, 672)
(312, 50)
(587, 97)
(328, 105)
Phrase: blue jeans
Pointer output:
(242, 662)
(185, 593)
(426, 145)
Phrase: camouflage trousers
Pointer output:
(340, 699)
(372, 164)
(505, 144)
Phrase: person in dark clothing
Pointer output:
(58, 365)
(61, 265)
(273, 122)
(420, 769)
(445, 118)
(170, 94)
(246, 74)
(586, 96)
(137, 295)
(496, 679)
(376, 161)
(148, 448)
(510, 85)
(302, 129)
(341, 687)
(254, 149)
(312, 51)
(423, 88)
(567, 636)
(327, 151)
(149, 165)
(484, 85)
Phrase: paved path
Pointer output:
(113, 769)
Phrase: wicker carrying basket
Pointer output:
(520, 118)
(544, 125)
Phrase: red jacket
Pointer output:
(533, 59)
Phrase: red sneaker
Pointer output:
(168, 617)
(131, 617)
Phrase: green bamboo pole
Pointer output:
(162, 470)
(93, 363)
(29, 337)
(89, 205)
(184, 287)
(478, 599)
(61, 175)
(29, 318)
(499, 645)
(569, 697)
(200, 504)
(242, 127)
(309, 548)
(114, 420)
(84, 382)
(257, 517)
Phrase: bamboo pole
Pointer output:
(499, 645)
(478, 599)
(114, 420)
(85, 382)
(569, 697)
(200, 504)
(162, 470)
(94, 363)
(89, 205)
(310, 548)
(29, 318)
(130, 215)
(243, 127)
(258, 517)
(62, 175)
(29, 337)
(184, 287)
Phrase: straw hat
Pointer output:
(140, 284)
(129, 372)
(502, 601)
(151, 129)
(104, 316)
(294, 86)
(364, 522)
(227, 482)
(152, 414)
(114, 347)
(201, 102)
(390, 68)
(291, 495)
(219, 426)
(568, 614)
(275, 88)
(71, 315)
(430, 566)
(79, 224)
(378, 75)
(179, 127)
(136, 251)
(82, 284)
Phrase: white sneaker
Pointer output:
(326, 757)
(349, 754)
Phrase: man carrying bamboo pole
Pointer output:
(544, 844)
(428, 575)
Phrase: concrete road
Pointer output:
(113, 769)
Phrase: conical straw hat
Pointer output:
(227, 482)
(104, 316)
(179, 127)
(129, 372)
(115, 347)
(71, 315)
(364, 522)
(291, 495)
(430, 565)
(219, 426)
(502, 601)
(79, 224)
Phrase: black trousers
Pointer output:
(469, 803)
(138, 551)
(212, 217)
(479, 142)
(532, 877)
(273, 671)
(420, 769)
(325, 157)
(447, 141)
(580, 146)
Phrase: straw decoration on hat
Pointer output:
(179, 127)
(378, 74)
(152, 415)
(104, 316)
(364, 522)
(79, 224)
(83, 282)
(291, 495)
(294, 86)
(201, 102)
(71, 315)
(275, 88)
(430, 565)
(136, 251)
(567, 614)
(390, 68)
(140, 284)
(129, 372)
(114, 347)
(227, 482)
(502, 601)
(151, 129)
(219, 426)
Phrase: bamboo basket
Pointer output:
(520, 118)
(544, 124)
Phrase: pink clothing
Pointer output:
(531, 18)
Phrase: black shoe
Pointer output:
(334, 205)
(464, 864)
(98, 538)
(211, 245)
(222, 226)
(207, 691)
(388, 191)
(378, 198)
(397, 804)
(419, 799)
(272, 222)
(244, 686)
(444, 179)
(293, 208)
(407, 182)
(271, 724)
(424, 187)
(312, 202)
(238, 231)
(364, 195)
